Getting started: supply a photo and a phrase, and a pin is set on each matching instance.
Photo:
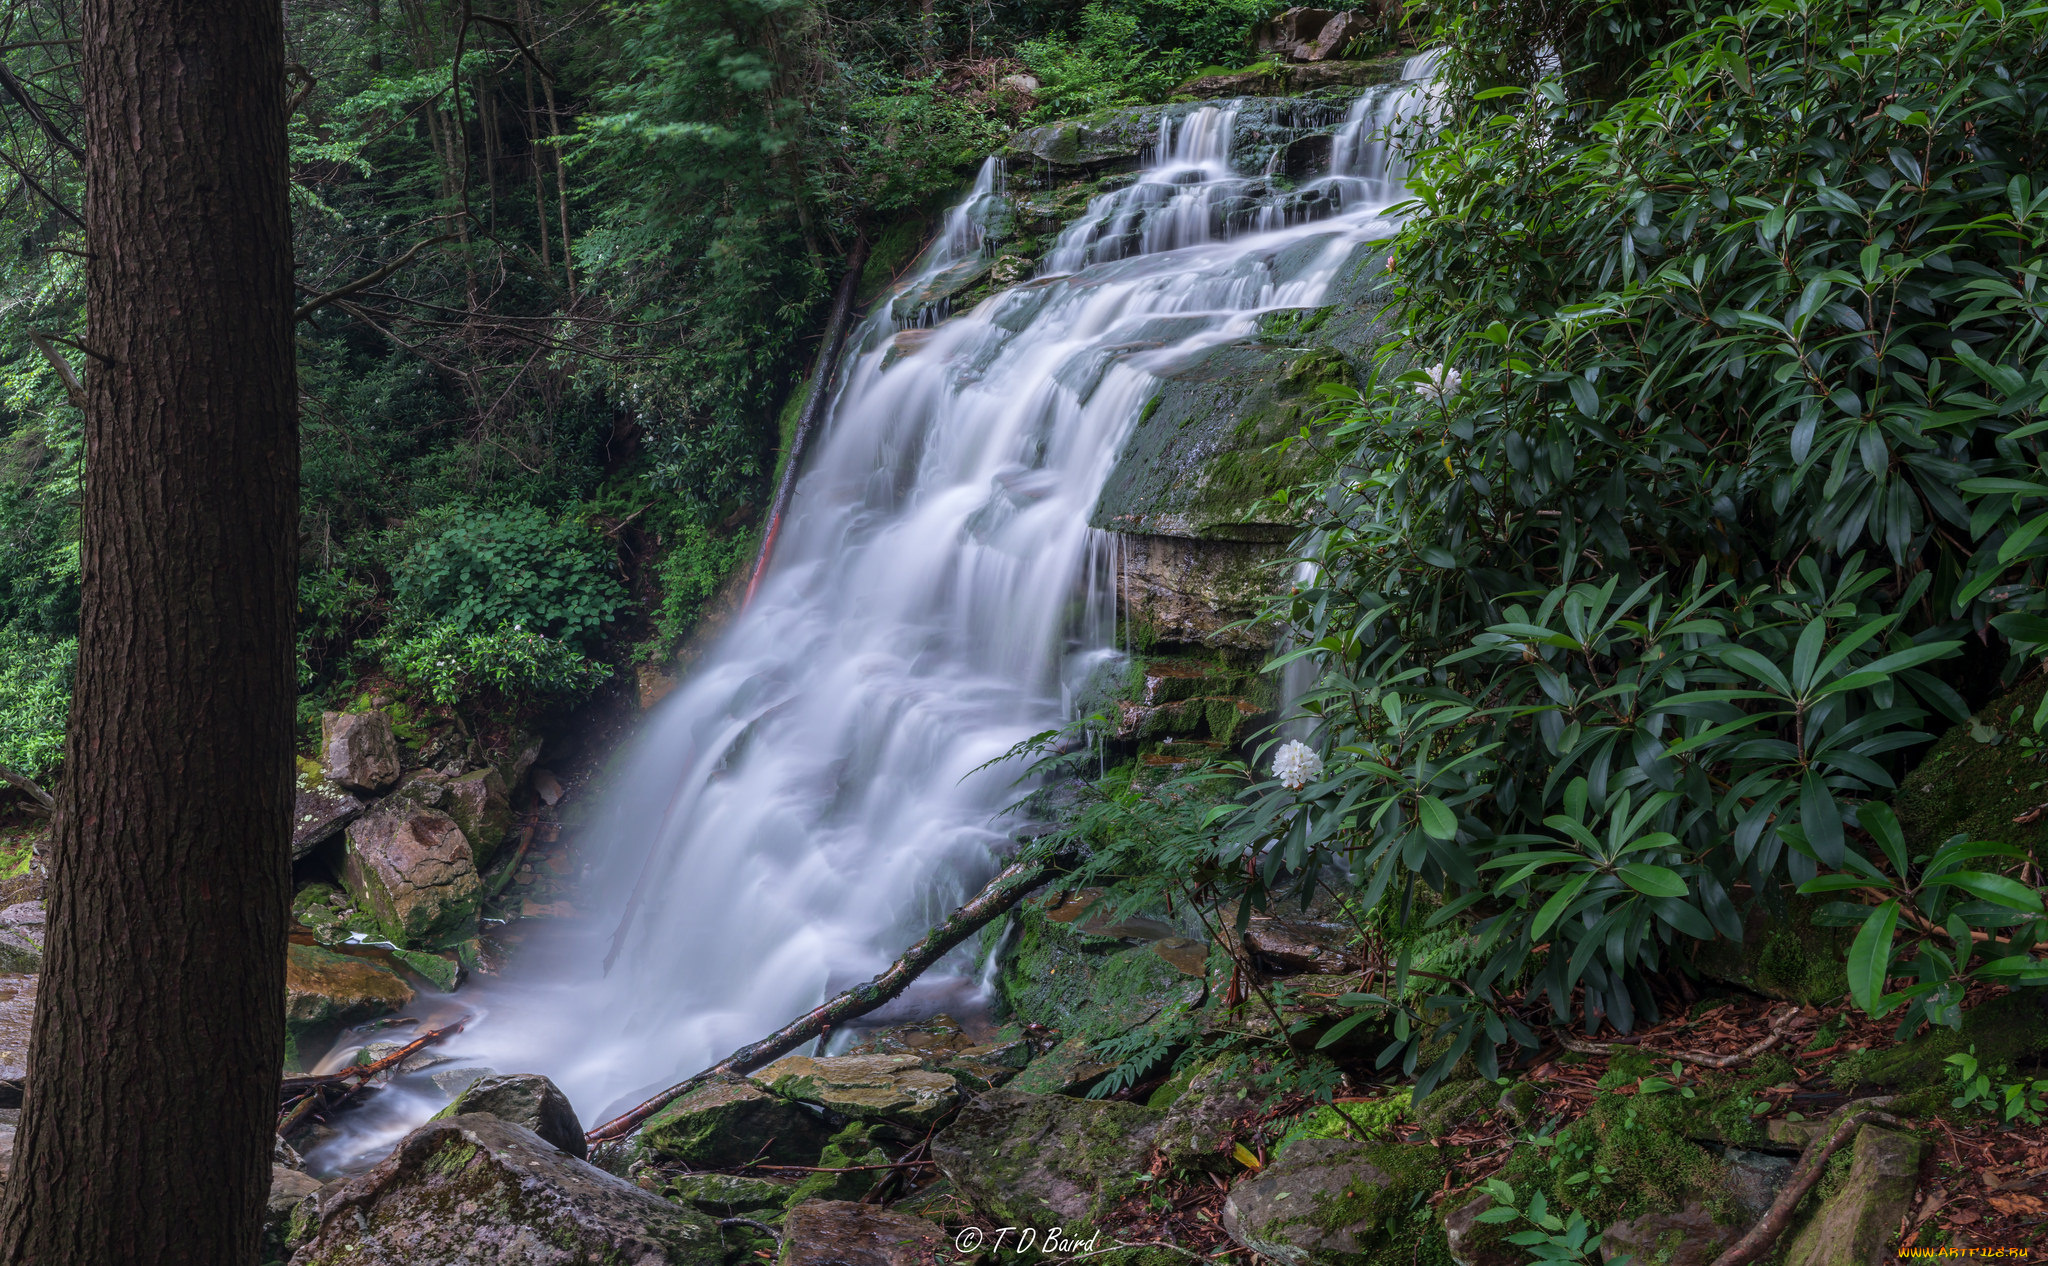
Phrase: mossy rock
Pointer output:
(1084, 985)
(1979, 776)
(1783, 954)
(724, 1124)
(473, 1190)
(731, 1195)
(2009, 1030)
(1045, 1160)
(1201, 462)
(850, 1155)
(1332, 1202)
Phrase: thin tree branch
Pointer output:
(41, 192)
(34, 111)
(371, 278)
(72, 387)
(513, 33)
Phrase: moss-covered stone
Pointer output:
(2010, 1030)
(1340, 1203)
(476, 1191)
(1783, 954)
(725, 1124)
(327, 991)
(1981, 775)
(893, 1088)
(849, 1168)
(731, 1195)
(1857, 1221)
(1203, 463)
(1045, 1160)
(1084, 985)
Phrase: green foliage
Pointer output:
(506, 665)
(517, 568)
(1128, 51)
(2014, 1100)
(690, 572)
(1549, 1237)
(35, 699)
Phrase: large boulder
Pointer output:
(319, 809)
(325, 991)
(358, 750)
(844, 1233)
(1333, 1202)
(1045, 1160)
(731, 1195)
(413, 871)
(527, 1099)
(725, 1124)
(892, 1088)
(1854, 1227)
(480, 805)
(477, 1191)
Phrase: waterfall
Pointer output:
(819, 791)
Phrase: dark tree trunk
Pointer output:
(159, 1029)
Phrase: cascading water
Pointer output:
(819, 792)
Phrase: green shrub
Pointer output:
(690, 573)
(1710, 432)
(516, 567)
(1129, 51)
(452, 665)
(35, 698)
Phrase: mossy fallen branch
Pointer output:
(1004, 891)
(1765, 1233)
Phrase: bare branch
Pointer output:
(72, 388)
(512, 32)
(371, 278)
(46, 804)
(34, 111)
(41, 192)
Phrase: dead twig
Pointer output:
(314, 1091)
(1780, 1027)
(370, 278)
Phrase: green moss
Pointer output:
(891, 253)
(2008, 1030)
(1377, 1118)
(849, 1149)
(448, 1160)
(1783, 954)
(1979, 776)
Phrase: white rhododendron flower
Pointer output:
(1442, 385)
(1296, 765)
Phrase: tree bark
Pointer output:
(159, 1031)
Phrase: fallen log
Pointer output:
(814, 407)
(1003, 892)
(305, 1095)
(45, 803)
(1765, 1233)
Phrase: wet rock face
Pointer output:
(288, 1187)
(1329, 1201)
(730, 1123)
(325, 991)
(477, 1191)
(844, 1233)
(18, 954)
(1045, 1160)
(358, 750)
(892, 1088)
(526, 1099)
(413, 870)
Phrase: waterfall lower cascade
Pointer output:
(819, 791)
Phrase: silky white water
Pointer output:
(814, 797)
